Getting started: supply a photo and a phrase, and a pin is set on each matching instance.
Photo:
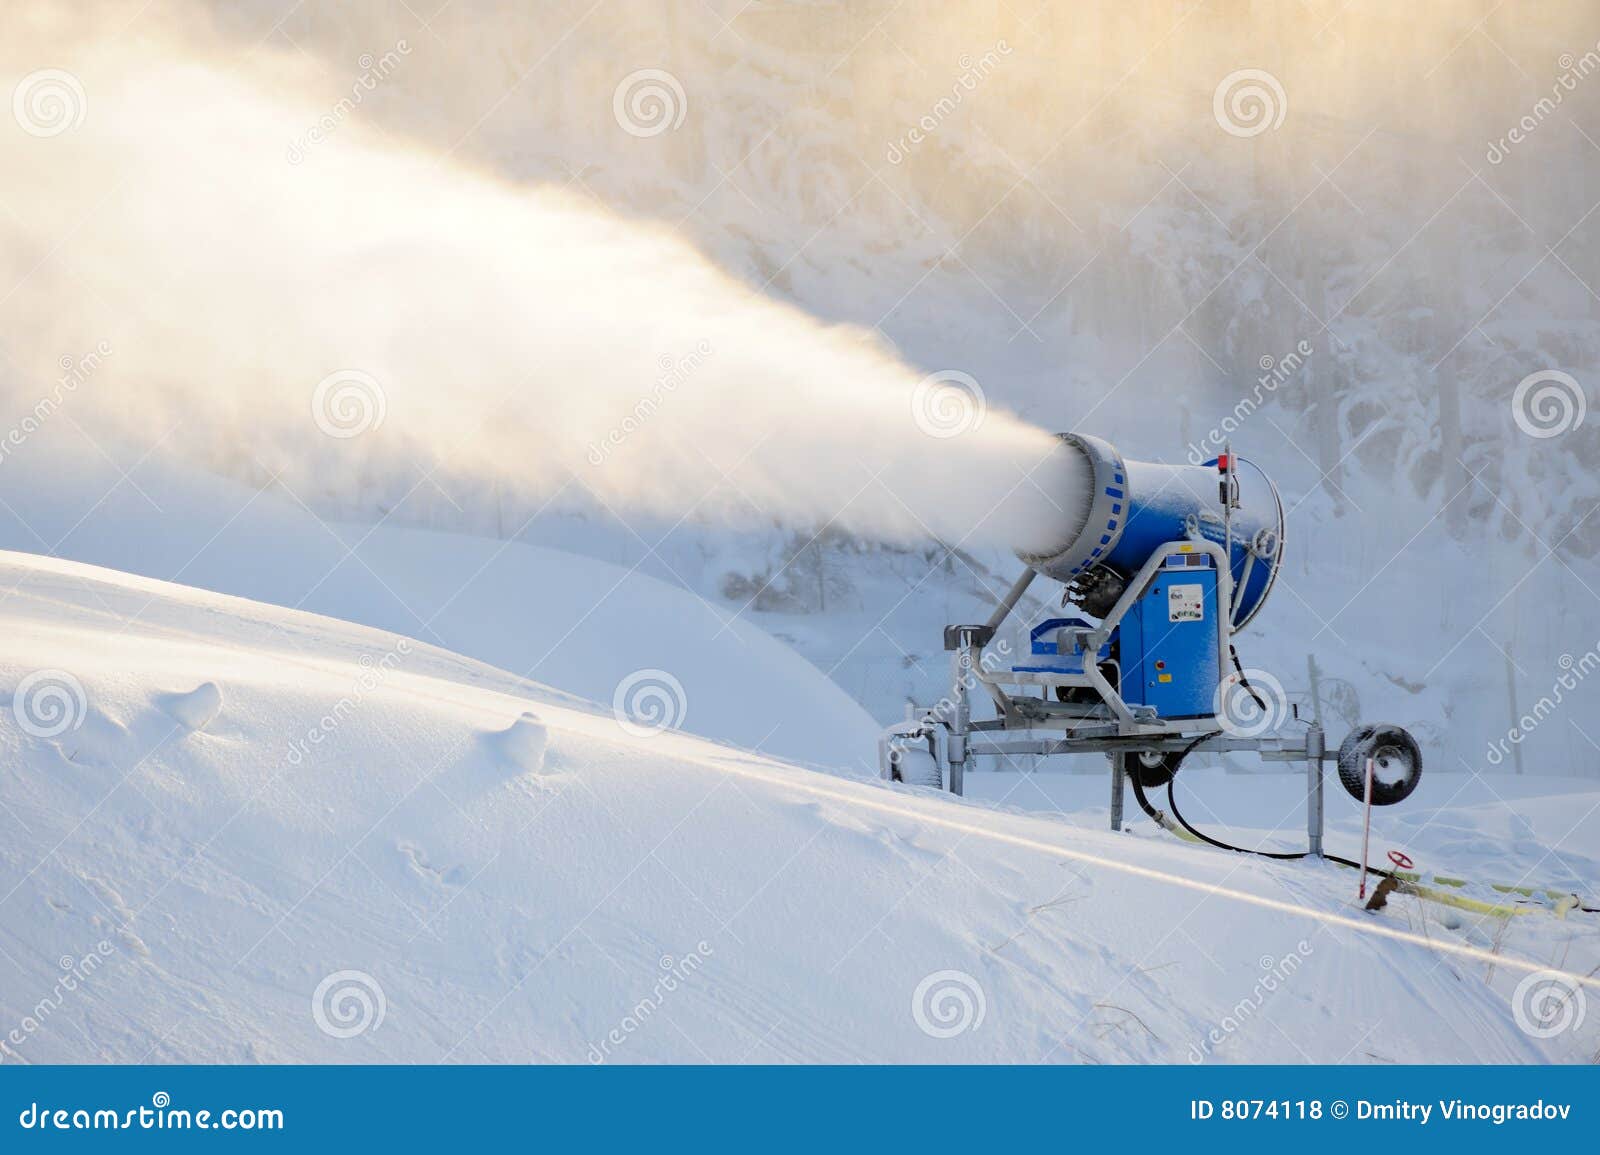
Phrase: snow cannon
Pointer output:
(1160, 566)
(1125, 510)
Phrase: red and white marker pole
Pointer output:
(1366, 831)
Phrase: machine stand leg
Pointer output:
(1315, 745)
(1118, 778)
(961, 714)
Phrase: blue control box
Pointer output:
(1168, 642)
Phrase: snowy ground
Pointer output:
(557, 888)
(579, 623)
(1541, 831)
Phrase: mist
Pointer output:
(207, 270)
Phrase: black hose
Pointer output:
(1283, 856)
(1280, 855)
(1172, 801)
(1244, 681)
(1144, 803)
(1138, 787)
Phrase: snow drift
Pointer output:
(601, 631)
(378, 851)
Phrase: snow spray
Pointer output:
(367, 311)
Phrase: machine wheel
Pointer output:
(917, 767)
(1153, 767)
(1397, 763)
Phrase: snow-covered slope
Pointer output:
(579, 623)
(357, 847)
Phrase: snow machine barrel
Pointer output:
(1125, 510)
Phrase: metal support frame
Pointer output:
(1316, 752)
(1111, 727)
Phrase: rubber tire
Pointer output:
(1160, 774)
(1368, 742)
(918, 768)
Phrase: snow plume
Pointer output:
(364, 310)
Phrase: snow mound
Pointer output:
(522, 744)
(196, 709)
(351, 851)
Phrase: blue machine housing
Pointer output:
(1166, 648)
(1045, 642)
(1137, 506)
(1168, 644)
(1162, 497)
